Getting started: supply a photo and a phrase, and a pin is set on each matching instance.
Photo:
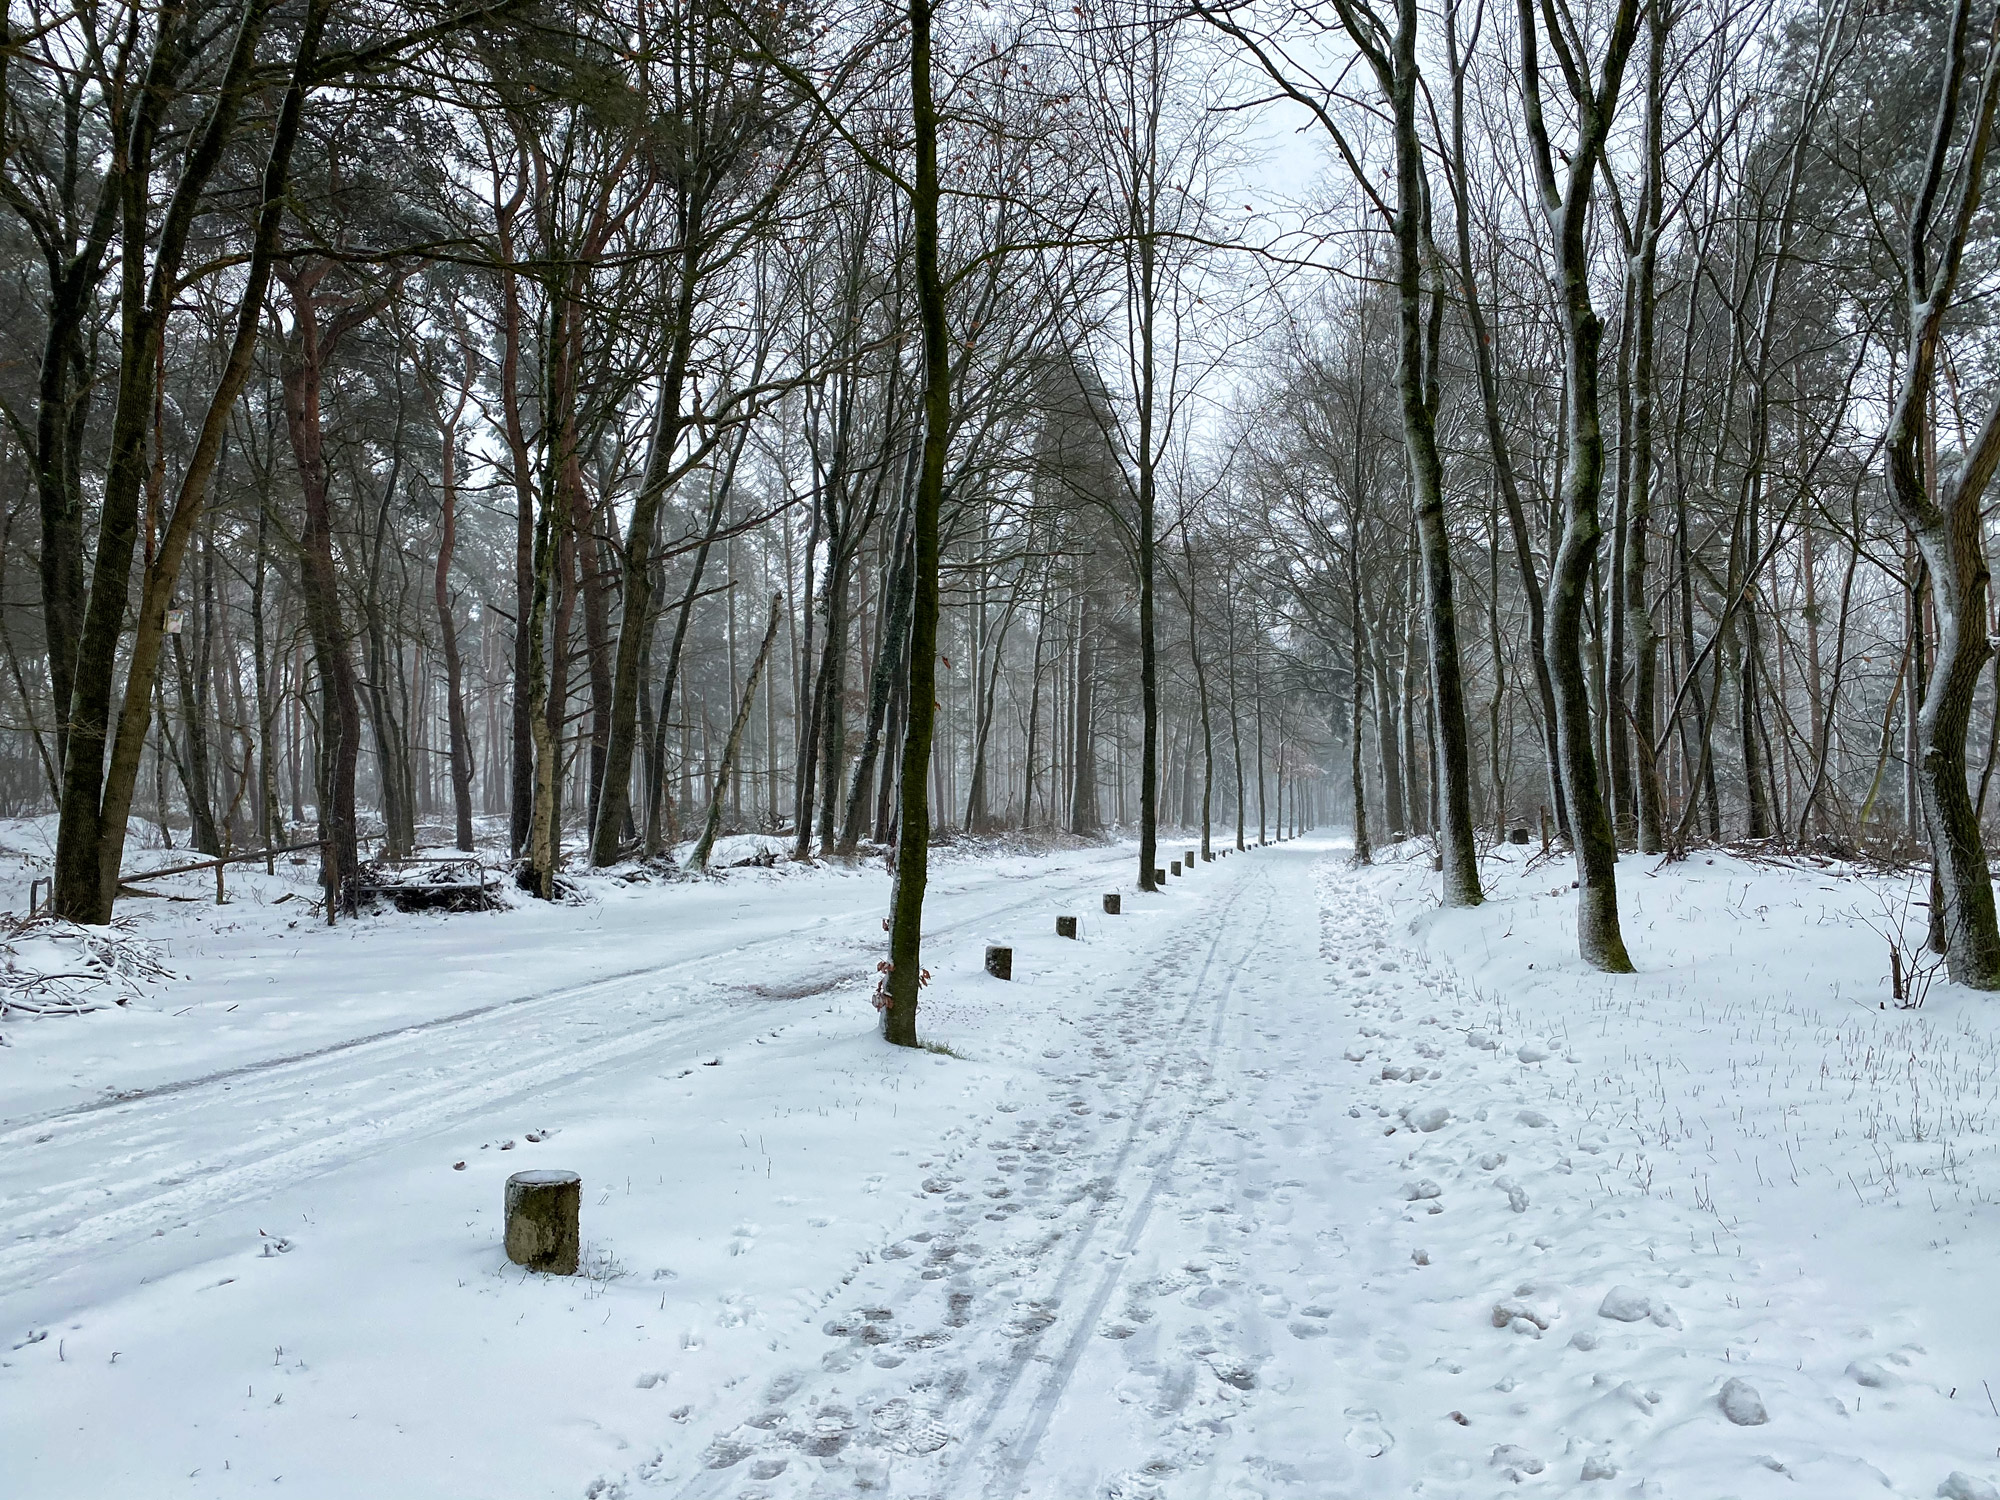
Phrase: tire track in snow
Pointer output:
(928, 1429)
(442, 1072)
(11, 1129)
(1007, 1477)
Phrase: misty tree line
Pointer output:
(628, 422)
(1668, 524)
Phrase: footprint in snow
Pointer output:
(1368, 1436)
(1029, 1319)
(1741, 1404)
(1233, 1372)
(1866, 1372)
(1515, 1462)
(724, 1454)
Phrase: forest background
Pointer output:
(571, 429)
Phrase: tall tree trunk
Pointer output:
(1948, 528)
(1417, 385)
(832, 717)
(591, 569)
(899, 1015)
(1235, 715)
(657, 793)
(97, 798)
(888, 658)
(613, 803)
(705, 843)
(1599, 939)
(270, 814)
(1613, 609)
(319, 586)
(1641, 638)
(1388, 740)
(1085, 818)
(521, 466)
(1146, 495)
(196, 781)
(1201, 693)
(460, 743)
(1499, 449)
(1357, 779)
(544, 847)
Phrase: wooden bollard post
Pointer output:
(1173, 867)
(999, 961)
(1159, 877)
(1112, 902)
(1188, 862)
(1066, 927)
(542, 1231)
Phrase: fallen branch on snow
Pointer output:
(53, 967)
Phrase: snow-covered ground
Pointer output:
(1283, 1183)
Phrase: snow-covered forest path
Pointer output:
(1295, 1213)
(1236, 1197)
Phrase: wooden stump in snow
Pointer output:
(542, 1221)
(1173, 867)
(1000, 962)
(1517, 835)
(1112, 902)
(1066, 927)
(1159, 877)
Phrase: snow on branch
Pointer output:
(49, 966)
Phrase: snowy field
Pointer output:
(1283, 1184)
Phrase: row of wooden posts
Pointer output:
(1000, 959)
(543, 1208)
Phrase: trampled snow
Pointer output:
(1283, 1183)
